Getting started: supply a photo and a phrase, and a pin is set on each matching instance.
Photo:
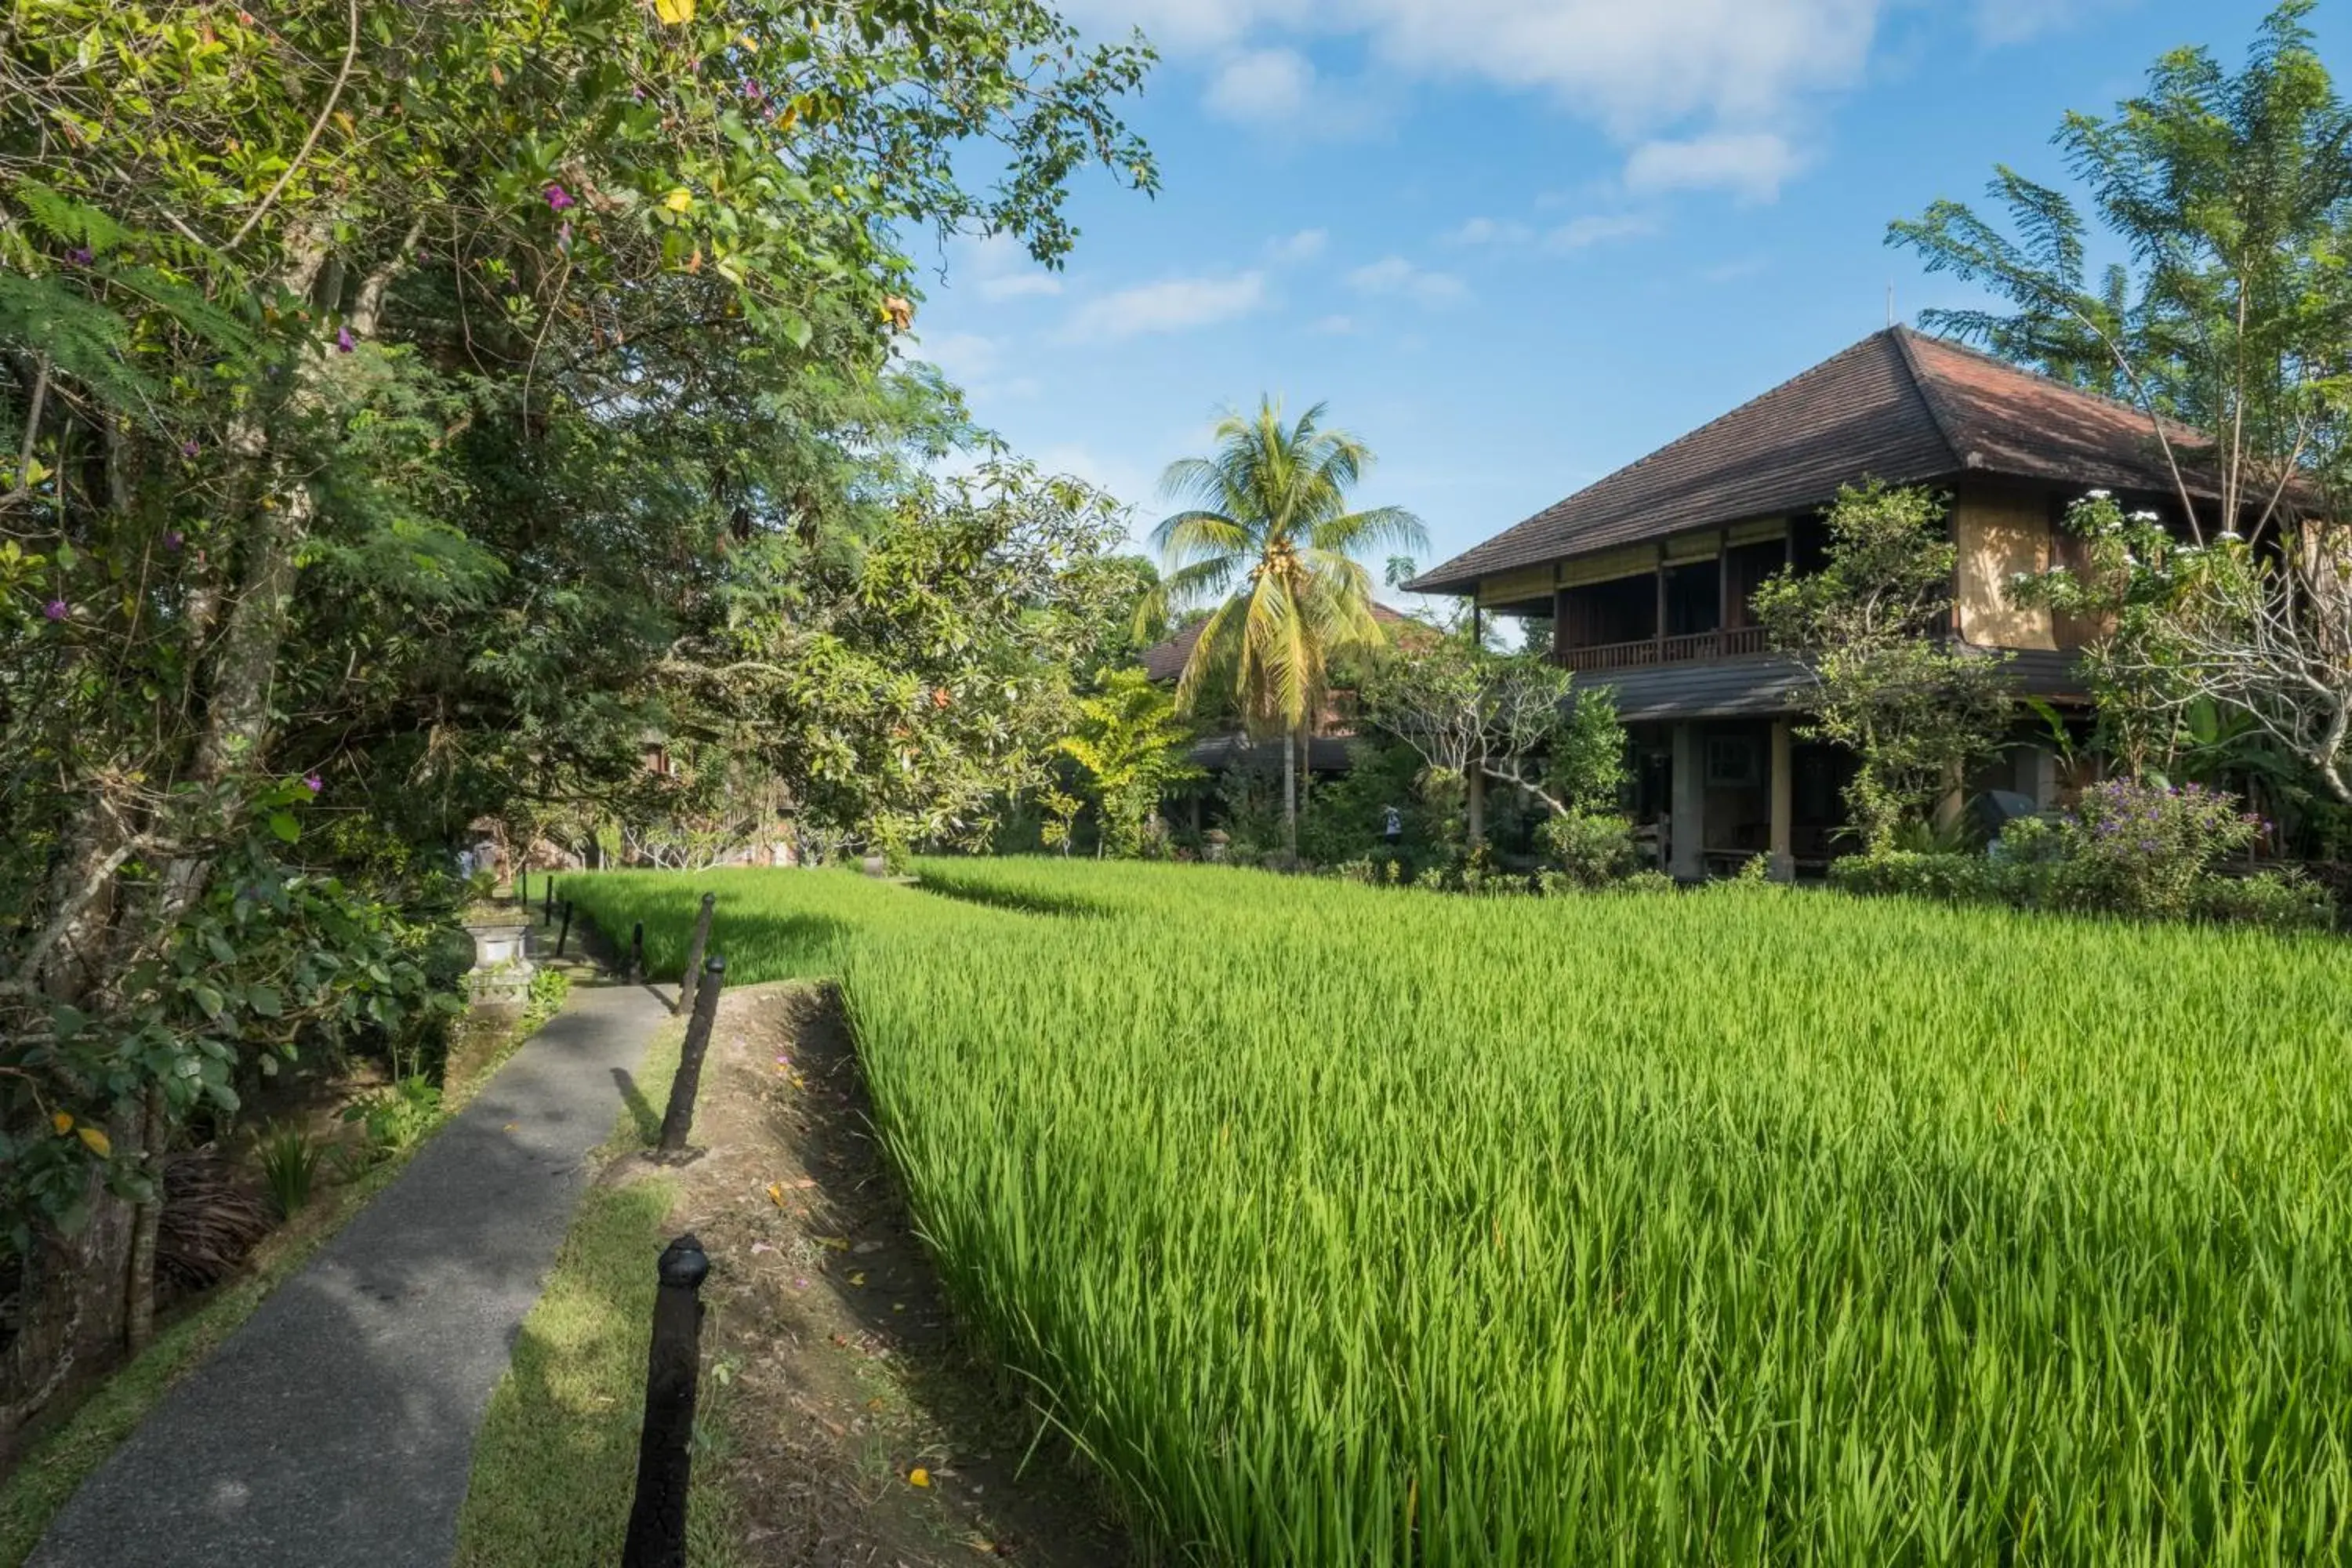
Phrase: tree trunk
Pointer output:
(1289, 798)
(146, 1220)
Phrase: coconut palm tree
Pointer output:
(1267, 536)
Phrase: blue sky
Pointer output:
(1516, 243)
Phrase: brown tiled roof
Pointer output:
(1895, 406)
(1165, 660)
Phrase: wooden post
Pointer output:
(1687, 823)
(1659, 642)
(637, 952)
(678, 1119)
(564, 933)
(521, 886)
(694, 955)
(1784, 862)
(1722, 586)
(547, 913)
(657, 1537)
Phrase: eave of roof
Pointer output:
(1895, 406)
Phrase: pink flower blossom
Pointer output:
(55, 609)
(343, 343)
(173, 539)
(189, 448)
(558, 198)
(314, 784)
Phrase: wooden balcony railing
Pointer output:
(1725, 643)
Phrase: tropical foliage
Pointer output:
(1269, 539)
(1886, 681)
(1131, 742)
(404, 405)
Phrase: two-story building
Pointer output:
(1645, 577)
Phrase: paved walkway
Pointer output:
(336, 1427)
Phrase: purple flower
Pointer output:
(564, 236)
(189, 448)
(173, 539)
(752, 90)
(79, 256)
(558, 198)
(313, 782)
(55, 609)
(343, 343)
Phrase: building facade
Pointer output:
(1646, 577)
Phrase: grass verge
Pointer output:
(54, 1464)
(555, 1461)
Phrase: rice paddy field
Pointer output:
(1348, 1226)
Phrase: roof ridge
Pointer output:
(1939, 413)
(1985, 356)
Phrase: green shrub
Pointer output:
(2134, 848)
(1955, 878)
(1592, 847)
(2273, 902)
(395, 1120)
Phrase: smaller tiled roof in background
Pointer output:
(1895, 406)
(1166, 661)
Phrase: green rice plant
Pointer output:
(290, 1165)
(1342, 1224)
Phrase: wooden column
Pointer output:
(1660, 630)
(1783, 860)
(1686, 827)
(1722, 583)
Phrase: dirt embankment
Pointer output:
(853, 1426)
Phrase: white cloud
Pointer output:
(1261, 87)
(1020, 285)
(2000, 22)
(1733, 271)
(1170, 305)
(1749, 163)
(963, 357)
(1336, 326)
(1674, 71)
(1393, 275)
(1489, 231)
(1305, 246)
(1001, 270)
(1598, 228)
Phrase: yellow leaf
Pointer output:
(776, 1193)
(750, 44)
(62, 1122)
(859, 1278)
(680, 200)
(97, 1141)
(918, 1476)
(675, 13)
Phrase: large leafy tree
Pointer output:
(390, 390)
(1888, 684)
(2231, 326)
(1269, 538)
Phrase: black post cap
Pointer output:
(717, 965)
(684, 1264)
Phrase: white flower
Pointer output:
(2100, 495)
(2145, 517)
(2229, 534)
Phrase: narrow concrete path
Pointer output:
(337, 1426)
